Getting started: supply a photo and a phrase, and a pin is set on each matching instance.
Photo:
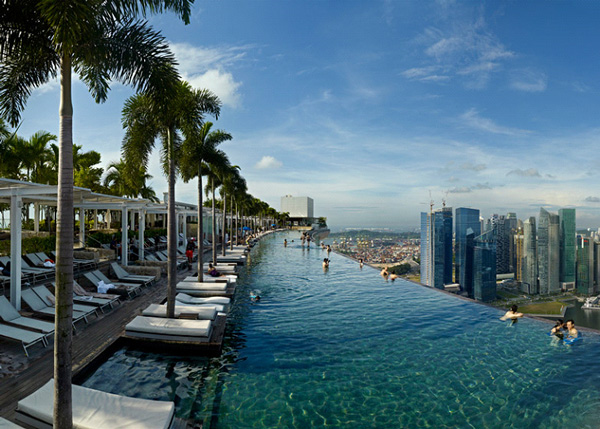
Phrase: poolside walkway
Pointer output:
(88, 343)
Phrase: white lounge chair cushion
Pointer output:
(188, 299)
(219, 307)
(229, 278)
(204, 313)
(216, 287)
(96, 409)
(175, 327)
(5, 424)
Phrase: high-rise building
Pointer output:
(585, 265)
(519, 254)
(426, 249)
(529, 274)
(512, 227)
(442, 247)
(465, 219)
(548, 247)
(436, 248)
(567, 248)
(484, 267)
(502, 230)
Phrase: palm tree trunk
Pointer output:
(200, 228)
(214, 223)
(224, 223)
(231, 229)
(171, 233)
(63, 407)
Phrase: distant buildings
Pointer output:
(546, 256)
(300, 209)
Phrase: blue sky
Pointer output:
(368, 106)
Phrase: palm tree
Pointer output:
(101, 41)
(230, 176)
(217, 168)
(147, 118)
(199, 149)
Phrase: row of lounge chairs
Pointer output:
(30, 331)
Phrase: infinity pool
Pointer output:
(343, 348)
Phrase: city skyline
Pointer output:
(368, 107)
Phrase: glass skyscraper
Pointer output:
(463, 269)
(484, 267)
(585, 265)
(548, 253)
(567, 247)
(529, 267)
(426, 249)
(442, 247)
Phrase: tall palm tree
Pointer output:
(198, 150)
(217, 168)
(228, 180)
(101, 41)
(173, 120)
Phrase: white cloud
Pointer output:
(472, 119)
(528, 80)
(530, 172)
(208, 68)
(268, 162)
(219, 82)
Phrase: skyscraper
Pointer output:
(567, 248)
(548, 246)
(426, 249)
(512, 227)
(442, 247)
(529, 276)
(484, 267)
(585, 265)
(465, 218)
(502, 230)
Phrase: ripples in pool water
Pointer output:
(343, 348)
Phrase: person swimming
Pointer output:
(558, 328)
(512, 314)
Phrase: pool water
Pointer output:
(343, 348)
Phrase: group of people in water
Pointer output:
(562, 330)
(386, 274)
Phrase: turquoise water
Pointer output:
(343, 348)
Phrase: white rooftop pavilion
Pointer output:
(16, 193)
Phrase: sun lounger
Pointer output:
(40, 273)
(50, 300)
(95, 409)
(222, 303)
(219, 287)
(197, 331)
(227, 278)
(37, 306)
(5, 424)
(27, 338)
(81, 296)
(129, 289)
(124, 276)
(10, 315)
(208, 312)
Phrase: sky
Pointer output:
(375, 107)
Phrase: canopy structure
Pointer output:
(16, 193)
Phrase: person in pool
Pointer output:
(325, 263)
(360, 261)
(285, 242)
(558, 329)
(512, 314)
(384, 273)
(394, 276)
(571, 331)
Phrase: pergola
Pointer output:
(16, 193)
